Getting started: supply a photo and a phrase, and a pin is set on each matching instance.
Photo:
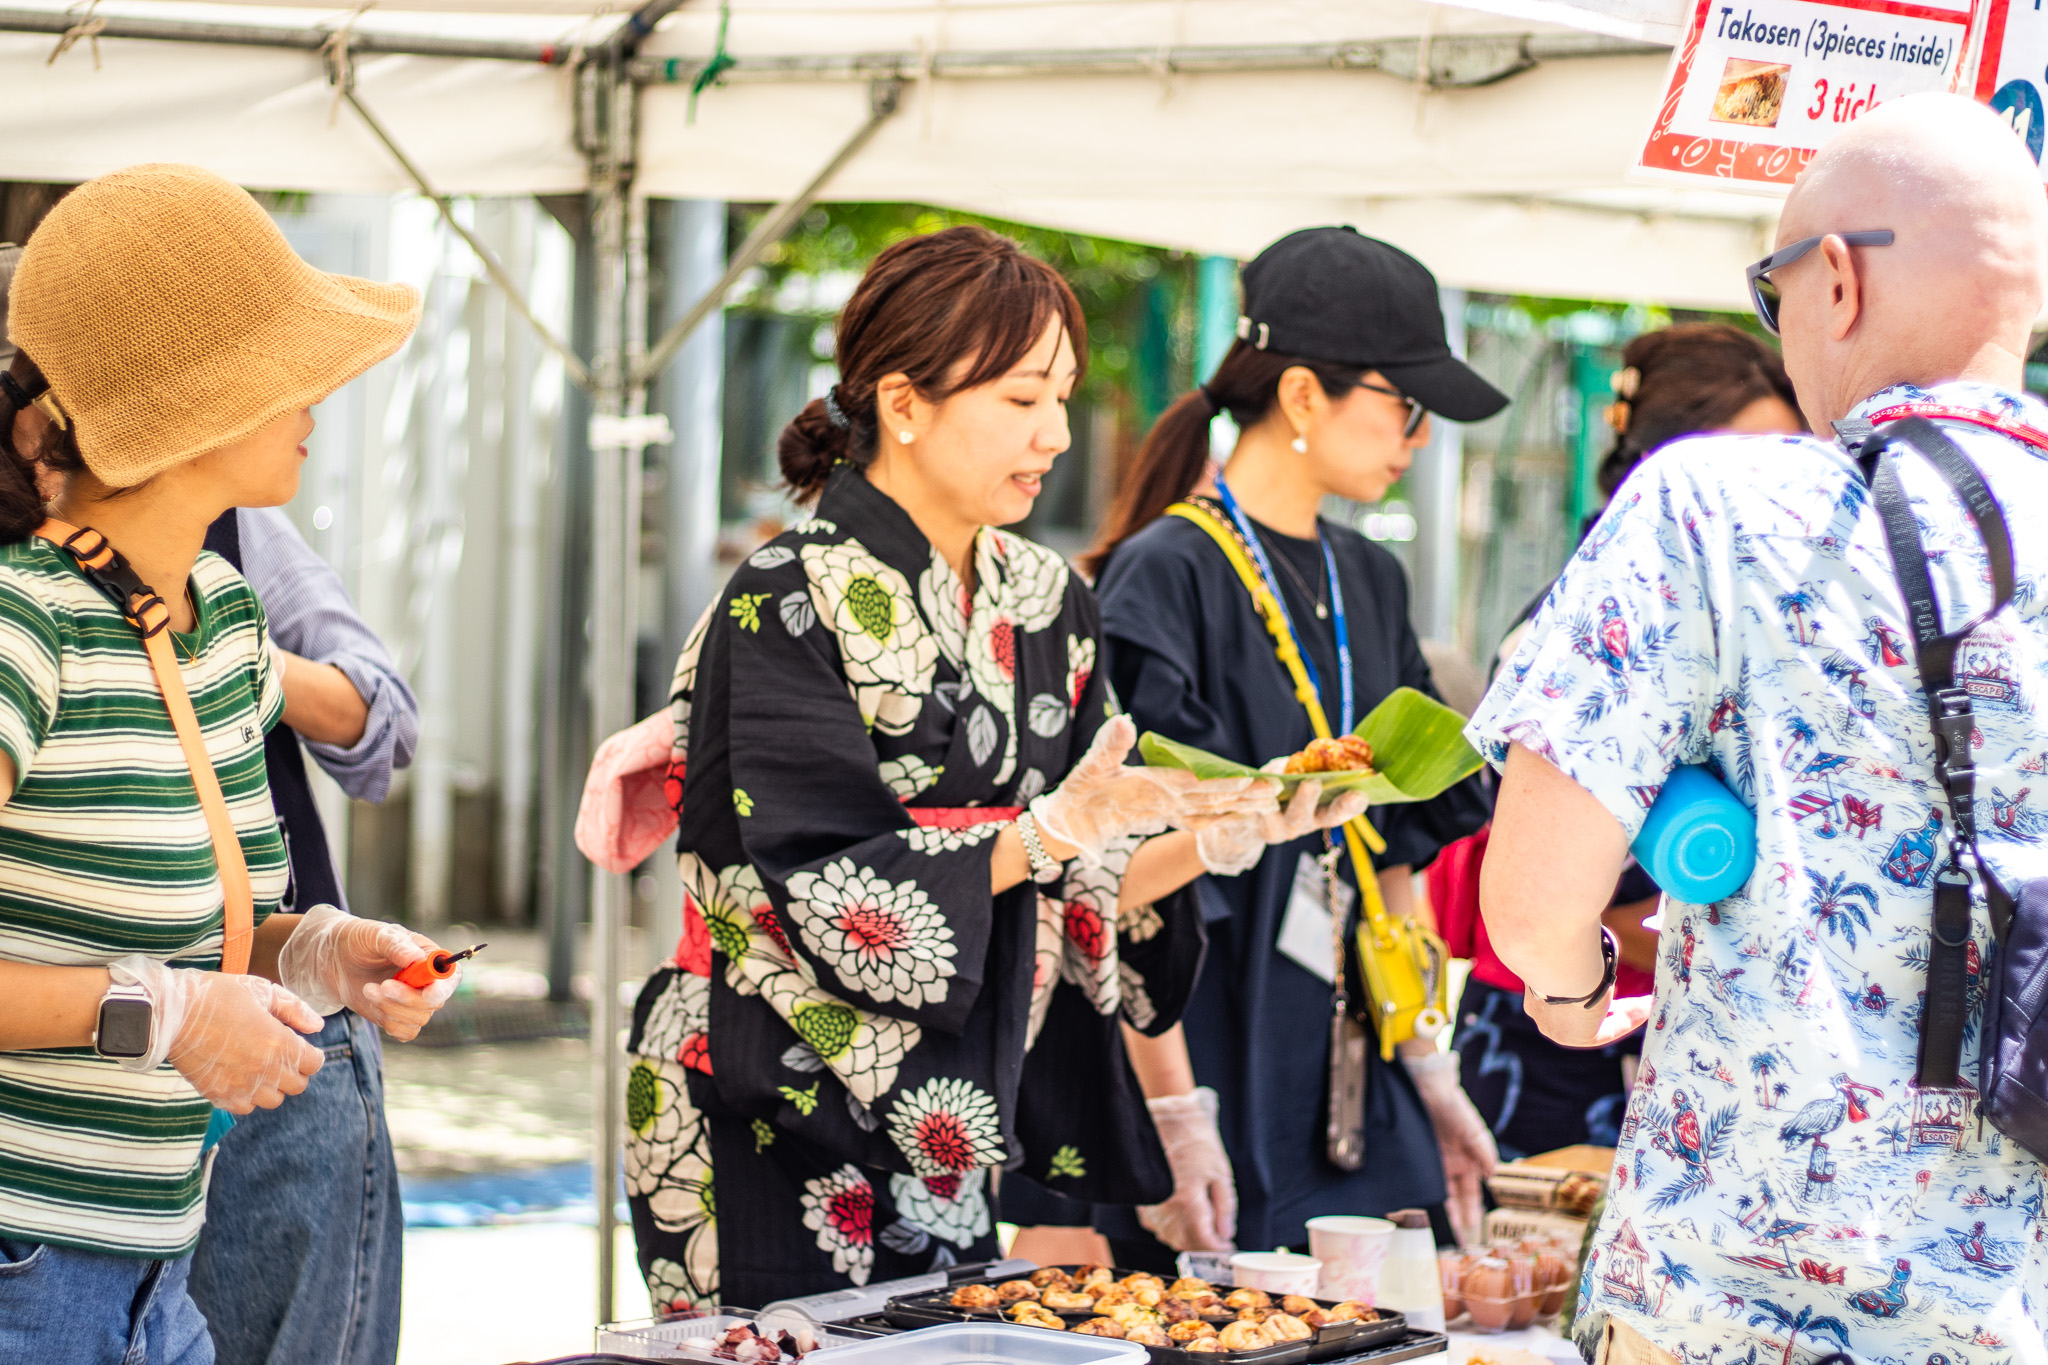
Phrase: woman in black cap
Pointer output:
(1340, 361)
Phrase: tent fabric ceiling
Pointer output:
(1519, 185)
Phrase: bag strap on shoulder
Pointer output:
(146, 611)
(1359, 835)
(1945, 1017)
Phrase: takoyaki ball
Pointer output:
(1101, 1327)
(1205, 1346)
(1287, 1327)
(1085, 1273)
(1244, 1336)
(1131, 1314)
(1184, 1332)
(1351, 1310)
(1011, 1291)
(1067, 1300)
(1048, 1276)
(1148, 1334)
(1209, 1306)
(977, 1298)
(1188, 1287)
(1109, 1296)
(1029, 1314)
(1297, 1305)
(1177, 1310)
(1255, 1314)
(1142, 1281)
(1247, 1298)
(1316, 1317)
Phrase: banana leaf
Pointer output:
(1418, 749)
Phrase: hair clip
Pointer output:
(1245, 328)
(42, 400)
(1626, 382)
(1616, 416)
(835, 414)
(46, 401)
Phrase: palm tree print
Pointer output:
(1671, 1272)
(1796, 604)
(1793, 1324)
(1841, 906)
(1761, 1065)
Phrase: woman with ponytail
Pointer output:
(1340, 362)
(923, 888)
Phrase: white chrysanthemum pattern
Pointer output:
(882, 938)
(840, 1208)
(862, 1049)
(953, 1208)
(935, 839)
(910, 775)
(869, 607)
(947, 1126)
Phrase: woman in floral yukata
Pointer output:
(920, 891)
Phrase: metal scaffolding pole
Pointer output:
(360, 40)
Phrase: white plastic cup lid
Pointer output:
(1351, 1225)
(1274, 1260)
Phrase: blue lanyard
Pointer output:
(1258, 549)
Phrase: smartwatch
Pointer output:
(127, 1022)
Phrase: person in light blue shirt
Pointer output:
(1782, 1190)
(301, 1257)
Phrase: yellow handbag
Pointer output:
(1403, 963)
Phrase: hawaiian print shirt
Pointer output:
(1781, 1189)
(845, 978)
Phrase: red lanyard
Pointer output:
(1936, 412)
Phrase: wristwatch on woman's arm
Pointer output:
(1044, 867)
(127, 1020)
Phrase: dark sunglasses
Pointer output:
(1764, 296)
(1416, 412)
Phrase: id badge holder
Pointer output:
(1344, 1123)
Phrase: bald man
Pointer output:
(1780, 1185)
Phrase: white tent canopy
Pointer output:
(1214, 125)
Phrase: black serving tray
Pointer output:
(1342, 1341)
(1414, 1345)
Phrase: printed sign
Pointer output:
(1759, 85)
(2012, 75)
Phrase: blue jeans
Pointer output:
(300, 1260)
(88, 1308)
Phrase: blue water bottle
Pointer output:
(1699, 842)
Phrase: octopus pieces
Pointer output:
(742, 1342)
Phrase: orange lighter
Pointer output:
(435, 967)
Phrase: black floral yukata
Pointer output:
(855, 1035)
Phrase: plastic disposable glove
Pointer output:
(1202, 1214)
(1467, 1146)
(1234, 843)
(230, 1036)
(334, 961)
(1104, 799)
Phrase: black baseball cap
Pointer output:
(1335, 295)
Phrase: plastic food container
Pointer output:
(694, 1338)
(1499, 1291)
(1450, 1269)
(992, 1343)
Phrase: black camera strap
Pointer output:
(1946, 1012)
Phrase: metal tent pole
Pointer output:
(273, 35)
(1433, 487)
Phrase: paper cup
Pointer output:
(1351, 1250)
(1276, 1272)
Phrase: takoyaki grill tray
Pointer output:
(1336, 1341)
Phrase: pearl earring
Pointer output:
(1301, 445)
(905, 437)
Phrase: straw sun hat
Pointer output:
(172, 318)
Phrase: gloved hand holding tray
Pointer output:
(1417, 749)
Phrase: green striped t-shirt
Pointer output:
(104, 852)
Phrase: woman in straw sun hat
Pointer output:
(174, 346)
